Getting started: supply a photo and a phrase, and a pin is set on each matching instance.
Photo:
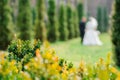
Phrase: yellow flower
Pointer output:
(82, 67)
(46, 44)
(108, 59)
(118, 76)
(25, 75)
(2, 62)
(59, 68)
(64, 76)
(55, 58)
(72, 70)
(2, 56)
(101, 61)
(54, 66)
(38, 53)
(113, 70)
(16, 70)
(13, 62)
(47, 55)
(82, 64)
(52, 50)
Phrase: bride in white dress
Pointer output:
(91, 36)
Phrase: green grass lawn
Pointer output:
(73, 51)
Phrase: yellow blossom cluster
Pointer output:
(47, 66)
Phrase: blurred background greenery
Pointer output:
(58, 22)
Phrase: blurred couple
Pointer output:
(88, 32)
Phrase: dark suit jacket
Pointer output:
(82, 28)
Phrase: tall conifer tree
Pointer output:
(24, 20)
(40, 28)
(63, 22)
(99, 19)
(80, 10)
(53, 30)
(5, 24)
(116, 31)
(70, 23)
(102, 18)
(105, 16)
(76, 23)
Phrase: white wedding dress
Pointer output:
(91, 36)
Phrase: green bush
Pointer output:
(40, 27)
(63, 30)
(5, 24)
(24, 20)
(53, 30)
(116, 31)
(23, 51)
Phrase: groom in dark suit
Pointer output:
(82, 28)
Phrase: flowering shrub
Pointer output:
(9, 70)
(47, 66)
(23, 51)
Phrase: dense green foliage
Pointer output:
(63, 23)
(5, 24)
(53, 30)
(40, 28)
(102, 18)
(24, 20)
(70, 23)
(80, 10)
(76, 23)
(116, 31)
